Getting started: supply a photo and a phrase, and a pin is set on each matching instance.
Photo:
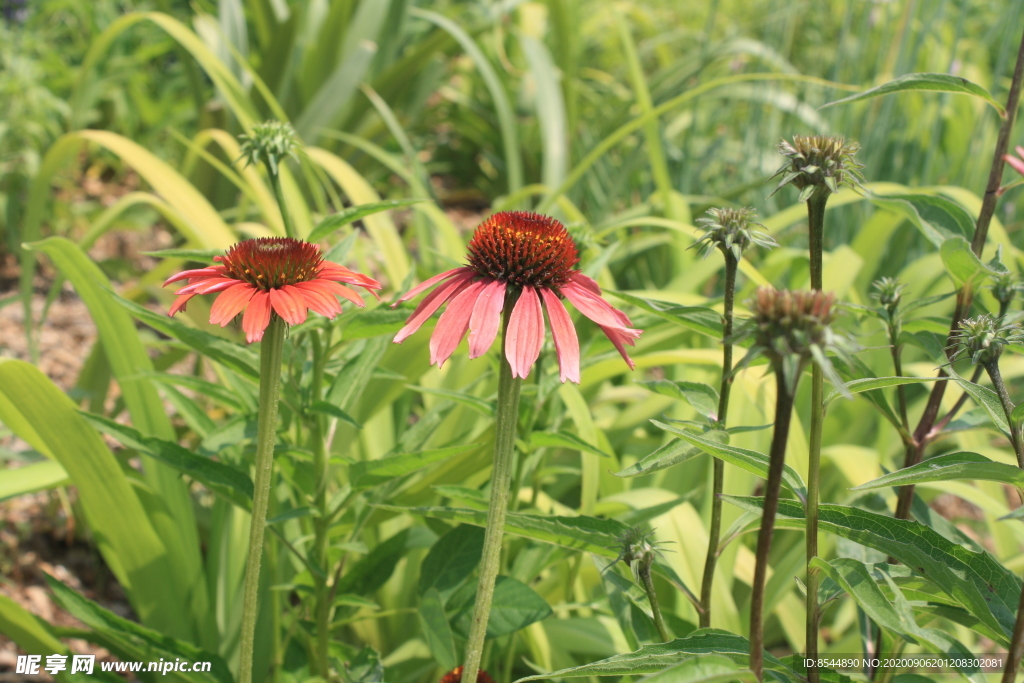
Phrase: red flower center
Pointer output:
(272, 262)
(523, 249)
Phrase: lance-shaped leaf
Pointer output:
(367, 474)
(354, 213)
(871, 383)
(698, 318)
(950, 467)
(751, 461)
(933, 82)
(702, 397)
(651, 659)
(563, 439)
(961, 262)
(976, 580)
(513, 607)
(986, 398)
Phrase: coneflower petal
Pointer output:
(337, 288)
(288, 304)
(199, 285)
(486, 318)
(595, 308)
(431, 303)
(315, 291)
(567, 345)
(231, 303)
(619, 340)
(179, 303)
(427, 284)
(525, 335)
(257, 316)
(453, 323)
(586, 282)
(212, 271)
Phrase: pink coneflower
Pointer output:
(527, 261)
(271, 275)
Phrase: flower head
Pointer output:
(637, 549)
(455, 675)
(521, 264)
(815, 161)
(983, 338)
(1005, 286)
(267, 276)
(792, 329)
(888, 291)
(732, 231)
(270, 142)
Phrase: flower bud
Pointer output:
(983, 338)
(1005, 287)
(269, 142)
(788, 322)
(819, 161)
(732, 231)
(888, 291)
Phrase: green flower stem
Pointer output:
(777, 459)
(506, 416)
(715, 530)
(1013, 655)
(286, 218)
(321, 523)
(992, 368)
(816, 231)
(652, 596)
(266, 428)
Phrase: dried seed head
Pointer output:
(888, 291)
(272, 262)
(819, 161)
(983, 338)
(455, 675)
(523, 249)
(270, 142)
(732, 231)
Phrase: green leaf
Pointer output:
(563, 439)
(702, 397)
(39, 476)
(204, 256)
(935, 216)
(975, 580)
(202, 387)
(655, 658)
(325, 408)
(986, 398)
(228, 354)
(373, 571)
(856, 579)
(514, 606)
(870, 383)
(961, 262)
(932, 82)
(751, 461)
(436, 630)
(31, 634)
(672, 453)
(1017, 417)
(354, 213)
(32, 407)
(451, 560)
(218, 476)
(142, 643)
(701, 319)
(478, 404)
(383, 320)
(949, 467)
(704, 669)
(366, 474)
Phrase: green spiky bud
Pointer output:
(983, 338)
(1005, 287)
(270, 142)
(888, 291)
(789, 323)
(819, 161)
(637, 549)
(732, 231)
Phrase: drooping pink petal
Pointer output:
(525, 335)
(567, 345)
(596, 308)
(211, 271)
(326, 304)
(288, 304)
(209, 285)
(620, 340)
(257, 316)
(453, 323)
(431, 303)
(179, 304)
(231, 303)
(486, 318)
(586, 282)
(1017, 164)
(332, 287)
(333, 271)
(426, 284)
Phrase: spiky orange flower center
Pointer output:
(523, 249)
(272, 262)
(455, 675)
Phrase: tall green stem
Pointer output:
(505, 420)
(777, 459)
(652, 597)
(321, 523)
(266, 428)
(715, 530)
(286, 218)
(992, 367)
(816, 230)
